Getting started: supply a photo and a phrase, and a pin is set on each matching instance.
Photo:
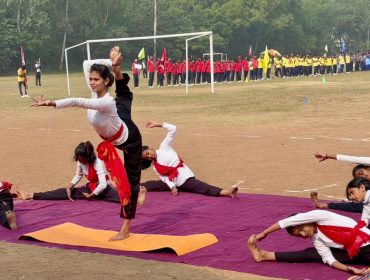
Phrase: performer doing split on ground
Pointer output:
(175, 175)
(337, 240)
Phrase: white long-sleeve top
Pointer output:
(167, 156)
(102, 112)
(353, 159)
(366, 211)
(321, 242)
(83, 169)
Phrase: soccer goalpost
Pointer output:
(191, 36)
(222, 55)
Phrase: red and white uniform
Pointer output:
(83, 170)
(325, 218)
(167, 156)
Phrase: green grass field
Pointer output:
(242, 103)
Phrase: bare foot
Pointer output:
(23, 195)
(253, 248)
(317, 202)
(119, 236)
(142, 195)
(234, 192)
(10, 216)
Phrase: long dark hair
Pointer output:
(104, 72)
(145, 163)
(358, 168)
(85, 150)
(357, 183)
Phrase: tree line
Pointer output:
(45, 27)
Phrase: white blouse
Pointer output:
(167, 156)
(102, 112)
(321, 242)
(83, 169)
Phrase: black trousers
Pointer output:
(38, 78)
(311, 255)
(132, 146)
(136, 80)
(6, 204)
(347, 206)
(108, 194)
(191, 185)
(151, 78)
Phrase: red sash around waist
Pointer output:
(115, 136)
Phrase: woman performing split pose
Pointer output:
(93, 169)
(337, 240)
(111, 119)
(174, 174)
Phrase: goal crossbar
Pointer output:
(193, 35)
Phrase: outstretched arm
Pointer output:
(153, 124)
(321, 156)
(349, 269)
(267, 231)
(353, 159)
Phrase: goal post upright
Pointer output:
(211, 61)
(67, 70)
(194, 35)
(187, 59)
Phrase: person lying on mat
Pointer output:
(7, 215)
(361, 170)
(174, 174)
(337, 240)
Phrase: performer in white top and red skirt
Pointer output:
(174, 174)
(337, 240)
(93, 169)
(111, 118)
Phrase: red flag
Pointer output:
(250, 50)
(22, 56)
(164, 54)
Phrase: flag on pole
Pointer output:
(326, 48)
(164, 55)
(141, 54)
(250, 50)
(22, 56)
(265, 60)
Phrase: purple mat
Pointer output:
(231, 220)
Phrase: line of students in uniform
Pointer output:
(199, 70)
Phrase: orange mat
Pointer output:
(72, 234)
